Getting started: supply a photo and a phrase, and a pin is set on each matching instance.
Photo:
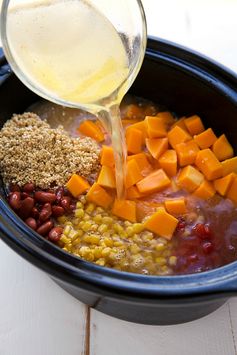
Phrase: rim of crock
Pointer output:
(75, 271)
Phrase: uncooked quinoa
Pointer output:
(32, 151)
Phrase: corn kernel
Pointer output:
(172, 260)
(67, 230)
(160, 247)
(79, 213)
(102, 228)
(91, 239)
(107, 220)
(100, 262)
(161, 261)
(79, 204)
(138, 227)
(83, 251)
(108, 242)
(90, 208)
(97, 218)
(86, 226)
(65, 239)
(106, 251)
(129, 231)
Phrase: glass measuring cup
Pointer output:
(128, 20)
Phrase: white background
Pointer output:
(39, 318)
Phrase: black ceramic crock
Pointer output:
(186, 83)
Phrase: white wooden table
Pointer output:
(39, 318)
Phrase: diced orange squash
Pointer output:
(155, 127)
(133, 111)
(77, 185)
(194, 125)
(177, 135)
(190, 178)
(207, 162)
(141, 127)
(134, 140)
(133, 173)
(156, 181)
(162, 223)
(156, 146)
(99, 196)
(90, 129)
(125, 209)
(205, 190)
(232, 193)
(107, 156)
(168, 162)
(126, 122)
(187, 152)
(132, 193)
(180, 123)
(176, 206)
(229, 166)
(143, 163)
(106, 177)
(166, 117)
(222, 185)
(222, 148)
(205, 139)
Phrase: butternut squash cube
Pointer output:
(222, 148)
(107, 156)
(156, 181)
(155, 127)
(205, 139)
(190, 178)
(222, 185)
(180, 123)
(132, 193)
(99, 196)
(229, 166)
(156, 146)
(162, 223)
(143, 163)
(91, 129)
(141, 127)
(133, 173)
(194, 125)
(232, 193)
(168, 162)
(176, 206)
(106, 177)
(187, 152)
(205, 190)
(178, 135)
(77, 185)
(207, 162)
(125, 209)
(134, 140)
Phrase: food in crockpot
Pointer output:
(179, 214)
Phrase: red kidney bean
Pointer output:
(31, 222)
(207, 247)
(35, 212)
(15, 200)
(29, 187)
(55, 234)
(45, 228)
(43, 196)
(58, 211)
(45, 213)
(59, 193)
(26, 207)
(14, 188)
(24, 195)
(65, 203)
